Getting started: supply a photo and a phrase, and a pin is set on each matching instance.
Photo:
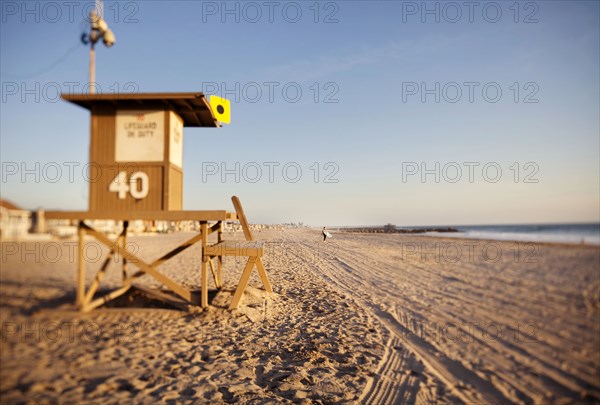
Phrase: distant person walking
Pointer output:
(325, 234)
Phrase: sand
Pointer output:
(362, 318)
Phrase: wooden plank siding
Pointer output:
(175, 198)
(165, 179)
(103, 200)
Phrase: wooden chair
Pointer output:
(250, 248)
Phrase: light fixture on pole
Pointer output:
(98, 29)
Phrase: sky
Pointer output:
(343, 112)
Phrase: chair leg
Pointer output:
(239, 292)
(263, 275)
(214, 273)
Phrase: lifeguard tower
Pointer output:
(136, 173)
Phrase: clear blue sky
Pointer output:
(377, 59)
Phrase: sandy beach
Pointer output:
(361, 318)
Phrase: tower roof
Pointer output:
(193, 108)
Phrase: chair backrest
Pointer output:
(242, 217)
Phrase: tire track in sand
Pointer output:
(462, 382)
(389, 386)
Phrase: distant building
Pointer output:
(14, 221)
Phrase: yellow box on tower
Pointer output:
(221, 108)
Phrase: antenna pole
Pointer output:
(92, 69)
(99, 7)
(98, 30)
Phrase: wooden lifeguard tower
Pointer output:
(136, 173)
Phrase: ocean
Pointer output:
(562, 233)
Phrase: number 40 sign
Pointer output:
(137, 185)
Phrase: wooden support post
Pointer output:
(204, 269)
(204, 292)
(96, 283)
(81, 270)
(220, 258)
(215, 227)
(124, 240)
